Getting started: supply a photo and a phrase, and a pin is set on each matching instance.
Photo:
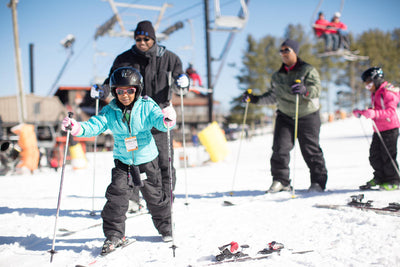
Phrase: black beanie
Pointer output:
(292, 44)
(145, 28)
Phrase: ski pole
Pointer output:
(384, 145)
(240, 141)
(296, 125)
(170, 184)
(184, 146)
(93, 213)
(52, 251)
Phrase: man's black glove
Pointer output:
(249, 97)
(100, 91)
(299, 88)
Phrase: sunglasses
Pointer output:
(285, 51)
(129, 91)
(142, 39)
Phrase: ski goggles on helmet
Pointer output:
(129, 91)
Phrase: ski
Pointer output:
(67, 232)
(255, 258)
(356, 202)
(103, 256)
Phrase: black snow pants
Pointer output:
(308, 138)
(119, 192)
(384, 171)
(161, 139)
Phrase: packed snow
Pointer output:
(347, 237)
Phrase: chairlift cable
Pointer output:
(315, 12)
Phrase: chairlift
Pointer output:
(230, 23)
(347, 54)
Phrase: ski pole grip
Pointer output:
(70, 114)
(249, 91)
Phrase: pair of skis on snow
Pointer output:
(357, 202)
(231, 253)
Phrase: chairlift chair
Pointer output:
(230, 22)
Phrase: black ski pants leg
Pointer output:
(308, 138)
(379, 159)
(281, 147)
(158, 203)
(161, 139)
(114, 211)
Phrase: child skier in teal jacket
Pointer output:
(130, 117)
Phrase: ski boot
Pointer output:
(370, 185)
(388, 186)
(277, 186)
(111, 243)
(230, 250)
(272, 247)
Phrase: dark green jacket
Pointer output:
(281, 92)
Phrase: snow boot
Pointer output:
(370, 185)
(278, 187)
(315, 188)
(111, 243)
(167, 238)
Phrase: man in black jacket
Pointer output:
(162, 73)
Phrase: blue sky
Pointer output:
(45, 23)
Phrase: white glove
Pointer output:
(169, 116)
(72, 125)
(99, 91)
(182, 81)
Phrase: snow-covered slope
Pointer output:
(338, 238)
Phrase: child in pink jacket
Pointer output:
(384, 100)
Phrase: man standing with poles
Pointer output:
(296, 83)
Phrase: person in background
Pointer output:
(130, 118)
(194, 76)
(162, 73)
(338, 31)
(295, 77)
(320, 28)
(384, 100)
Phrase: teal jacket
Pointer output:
(145, 115)
(281, 91)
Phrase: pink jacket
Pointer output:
(384, 102)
